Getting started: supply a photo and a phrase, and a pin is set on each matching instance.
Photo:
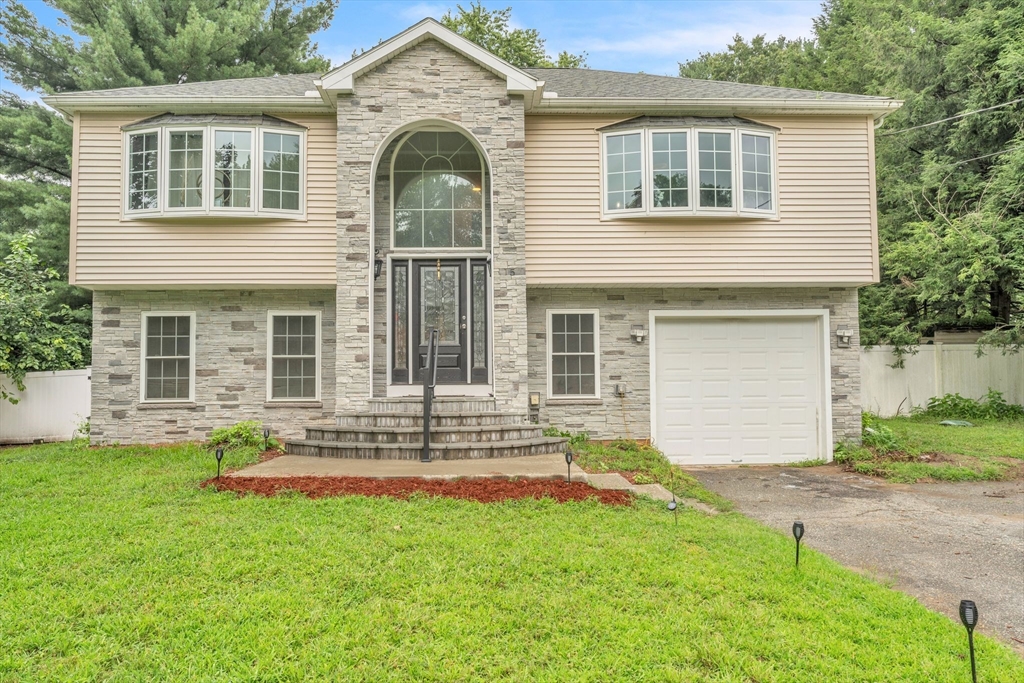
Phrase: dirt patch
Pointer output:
(482, 490)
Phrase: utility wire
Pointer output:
(985, 156)
(951, 118)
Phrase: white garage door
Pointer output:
(738, 390)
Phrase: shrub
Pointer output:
(991, 407)
(846, 453)
(576, 439)
(878, 436)
(245, 434)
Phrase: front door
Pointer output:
(449, 295)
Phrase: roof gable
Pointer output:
(342, 79)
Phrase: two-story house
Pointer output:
(631, 255)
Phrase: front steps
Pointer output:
(461, 428)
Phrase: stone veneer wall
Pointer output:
(230, 364)
(624, 361)
(429, 81)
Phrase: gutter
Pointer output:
(69, 104)
(553, 104)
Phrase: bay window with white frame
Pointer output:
(688, 171)
(213, 169)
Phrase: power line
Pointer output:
(951, 118)
(985, 156)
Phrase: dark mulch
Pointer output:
(483, 490)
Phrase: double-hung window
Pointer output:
(214, 168)
(294, 356)
(168, 357)
(573, 354)
(690, 170)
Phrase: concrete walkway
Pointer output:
(939, 542)
(550, 466)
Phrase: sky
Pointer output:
(652, 37)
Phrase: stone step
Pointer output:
(441, 404)
(438, 451)
(438, 419)
(445, 434)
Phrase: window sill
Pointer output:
(213, 217)
(716, 215)
(167, 406)
(582, 400)
(293, 404)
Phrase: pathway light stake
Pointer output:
(673, 507)
(798, 533)
(969, 617)
(568, 467)
(220, 456)
(266, 438)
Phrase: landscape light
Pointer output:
(798, 533)
(568, 467)
(266, 438)
(969, 617)
(220, 456)
(673, 507)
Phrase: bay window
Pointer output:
(689, 170)
(222, 167)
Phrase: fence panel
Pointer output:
(50, 409)
(936, 370)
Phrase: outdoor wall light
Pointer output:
(378, 264)
(568, 467)
(266, 438)
(220, 456)
(969, 617)
(535, 399)
(843, 338)
(638, 333)
(798, 533)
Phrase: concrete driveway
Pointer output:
(937, 542)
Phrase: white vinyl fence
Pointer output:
(52, 406)
(936, 370)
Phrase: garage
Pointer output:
(734, 388)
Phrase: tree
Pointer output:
(125, 43)
(522, 47)
(949, 195)
(33, 336)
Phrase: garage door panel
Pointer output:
(737, 390)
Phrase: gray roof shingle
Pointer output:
(292, 85)
(597, 83)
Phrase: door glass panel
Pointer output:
(439, 303)
(480, 316)
(401, 313)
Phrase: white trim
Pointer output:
(644, 185)
(271, 314)
(735, 106)
(143, 343)
(342, 79)
(825, 370)
(772, 160)
(690, 208)
(714, 210)
(126, 179)
(568, 398)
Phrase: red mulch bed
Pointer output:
(483, 490)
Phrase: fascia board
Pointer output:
(732, 106)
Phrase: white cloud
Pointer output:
(421, 10)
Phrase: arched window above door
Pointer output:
(437, 190)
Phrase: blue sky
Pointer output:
(622, 36)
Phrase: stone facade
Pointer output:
(430, 82)
(626, 362)
(230, 365)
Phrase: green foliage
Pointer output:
(845, 453)
(576, 439)
(247, 434)
(991, 407)
(950, 196)
(34, 334)
(878, 436)
(490, 29)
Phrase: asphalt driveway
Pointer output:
(937, 542)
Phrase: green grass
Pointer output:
(650, 463)
(985, 452)
(115, 566)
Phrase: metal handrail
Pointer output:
(429, 382)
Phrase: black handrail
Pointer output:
(429, 382)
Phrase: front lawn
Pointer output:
(925, 449)
(116, 566)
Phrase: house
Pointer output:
(626, 254)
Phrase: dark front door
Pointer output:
(439, 292)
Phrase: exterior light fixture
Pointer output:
(638, 333)
(266, 438)
(798, 533)
(969, 617)
(378, 264)
(843, 338)
(220, 456)
(568, 467)
(673, 507)
(535, 399)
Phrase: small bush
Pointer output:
(846, 453)
(991, 407)
(878, 436)
(576, 439)
(247, 434)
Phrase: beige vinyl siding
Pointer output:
(825, 232)
(109, 252)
